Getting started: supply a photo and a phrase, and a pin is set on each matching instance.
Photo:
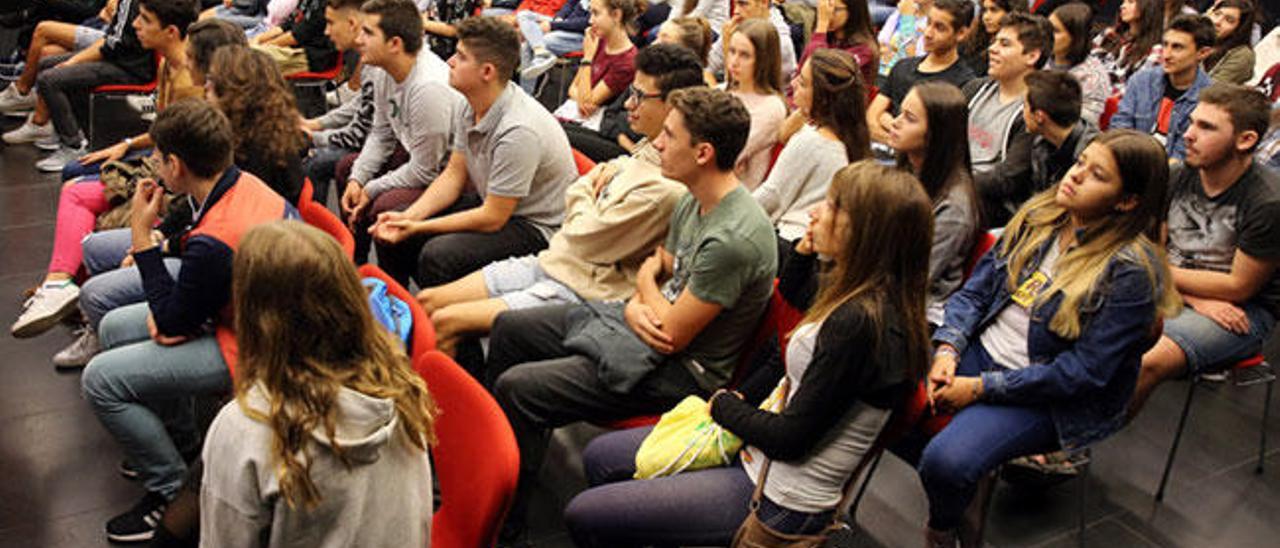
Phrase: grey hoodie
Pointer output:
(383, 500)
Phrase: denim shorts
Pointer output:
(521, 283)
(1208, 346)
(86, 36)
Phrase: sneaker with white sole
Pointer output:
(49, 143)
(540, 64)
(13, 102)
(30, 133)
(80, 351)
(140, 522)
(51, 302)
(54, 162)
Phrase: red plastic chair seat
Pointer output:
(320, 217)
(582, 162)
(322, 76)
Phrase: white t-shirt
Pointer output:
(1006, 338)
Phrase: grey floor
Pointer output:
(60, 483)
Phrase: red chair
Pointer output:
(475, 458)
(307, 80)
(308, 192)
(1247, 372)
(424, 333)
(981, 246)
(121, 90)
(320, 217)
(1108, 110)
(583, 163)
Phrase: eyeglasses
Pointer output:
(638, 96)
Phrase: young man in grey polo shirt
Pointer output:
(502, 192)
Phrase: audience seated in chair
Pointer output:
(1133, 42)
(697, 300)
(51, 37)
(614, 217)
(949, 22)
(746, 10)
(502, 193)
(159, 352)
(312, 359)
(1232, 58)
(1159, 100)
(932, 120)
(298, 44)
(412, 106)
(1223, 243)
(752, 75)
(1023, 383)
(1071, 46)
(973, 47)
(608, 60)
(859, 350)
(118, 58)
(1052, 113)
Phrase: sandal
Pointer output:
(1046, 469)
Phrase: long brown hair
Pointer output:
(839, 100)
(304, 337)
(884, 262)
(945, 165)
(1238, 37)
(695, 34)
(1144, 172)
(259, 103)
(767, 71)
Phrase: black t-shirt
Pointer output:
(120, 45)
(307, 25)
(906, 73)
(1171, 93)
(1205, 232)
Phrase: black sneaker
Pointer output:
(139, 523)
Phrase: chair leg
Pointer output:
(1177, 437)
(1082, 492)
(93, 99)
(1262, 428)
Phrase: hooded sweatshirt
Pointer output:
(384, 499)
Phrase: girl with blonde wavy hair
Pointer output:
(246, 85)
(329, 421)
(1040, 348)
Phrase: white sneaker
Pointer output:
(64, 155)
(80, 351)
(30, 133)
(142, 104)
(538, 66)
(12, 102)
(49, 143)
(51, 302)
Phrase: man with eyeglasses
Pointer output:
(614, 217)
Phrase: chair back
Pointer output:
(984, 242)
(475, 459)
(583, 163)
(320, 217)
(424, 333)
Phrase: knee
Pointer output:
(1165, 360)
(942, 466)
(436, 260)
(582, 518)
(113, 327)
(96, 381)
(511, 385)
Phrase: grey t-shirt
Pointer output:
(1205, 232)
(518, 150)
(989, 124)
(728, 256)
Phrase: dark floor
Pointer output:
(60, 481)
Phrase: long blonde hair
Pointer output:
(305, 331)
(884, 262)
(1144, 174)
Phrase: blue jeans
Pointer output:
(142, 393)
(75, 169)
(981, 437)
(319, 167)
(703, 507)
(557, 42)
(110, 286)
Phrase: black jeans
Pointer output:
(541, 386)
(55, 86)
(592, 143)
(438, 259)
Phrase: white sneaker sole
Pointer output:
(40, 325)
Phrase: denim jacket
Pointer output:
(1140, 106)
(1086, 383)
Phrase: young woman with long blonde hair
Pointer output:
(329, 420)
(1040, 348)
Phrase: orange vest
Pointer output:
(248, 203)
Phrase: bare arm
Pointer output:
(879, 119)
(1248, 275)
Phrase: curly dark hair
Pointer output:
(255, 97)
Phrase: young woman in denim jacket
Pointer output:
(1040, 349)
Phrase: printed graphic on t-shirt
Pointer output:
(1030, 289)
(1202, 234)
(1161, 131)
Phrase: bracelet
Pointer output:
(946, 350)
(128, 142)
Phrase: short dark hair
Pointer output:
(344, 4)
(197, 133)
(492, 41)
(1075, 17)
(205, 37)
(1055, 92)
(1248, 107)
(1034, 33)
(1198, 26)
(674, 67)
(397, 19)
(179, 13)
(717, 117)
(961, 12)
